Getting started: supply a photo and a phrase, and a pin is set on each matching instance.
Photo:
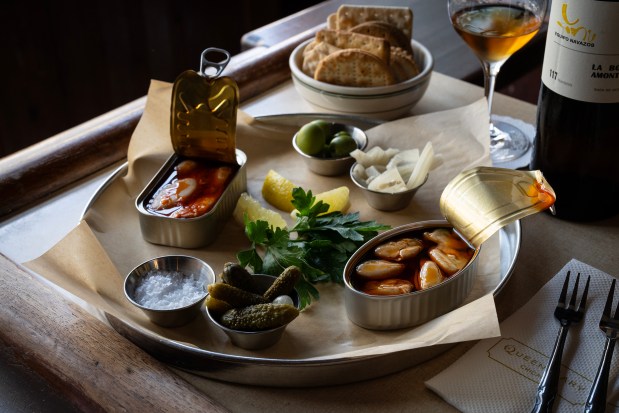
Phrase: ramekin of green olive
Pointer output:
(326, 146)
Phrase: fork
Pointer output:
(596, 402)
(567, 315)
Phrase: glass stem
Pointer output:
(491, 70)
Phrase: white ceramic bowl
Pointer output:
(381, 102)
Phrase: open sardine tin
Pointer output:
(476, 203)
(202, 128)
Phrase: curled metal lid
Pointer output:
(204, 109)
(480, 201)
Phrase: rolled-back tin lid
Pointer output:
(204, 109)
(480, 201)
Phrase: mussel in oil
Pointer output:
(414, 262)
(399, 250)
(429, 275)
(450, 261)
(392, 286)
(446, 238)
(379, 269)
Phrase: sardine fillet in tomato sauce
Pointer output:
(192, 190)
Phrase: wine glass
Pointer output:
(494, 30)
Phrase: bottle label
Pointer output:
(581, 60)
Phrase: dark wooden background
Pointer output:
(67, 61)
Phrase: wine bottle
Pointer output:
(577, 137)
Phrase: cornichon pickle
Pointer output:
(283, 284)
(217, 306)
(233, 295)
(238, 276)
(259, 317)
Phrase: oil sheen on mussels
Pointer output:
(412, 262)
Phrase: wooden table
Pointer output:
(95, 369)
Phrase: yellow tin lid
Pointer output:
(204, 109)
(480, 201)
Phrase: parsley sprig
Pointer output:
(320, 245)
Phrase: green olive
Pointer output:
(343, 134)
(325, 126)
(310, 139)
(342, 145)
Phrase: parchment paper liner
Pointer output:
(92, 261)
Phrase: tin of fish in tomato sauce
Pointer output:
(190, 228)
(195, 192)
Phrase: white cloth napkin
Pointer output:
(502, 374)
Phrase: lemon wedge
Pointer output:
(250, 206)
(337, 198)
(277, 191)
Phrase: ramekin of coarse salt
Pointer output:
(170, 289)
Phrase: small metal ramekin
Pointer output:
(256, 340)
(182, 263)
(386, 201)
(333, 166)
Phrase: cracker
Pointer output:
(389, 32)
(354, 67)
(315, 54)
(332, 21)
(310, 46)
(346, 40)
(400, 51)
(403, 65)
(349, 16)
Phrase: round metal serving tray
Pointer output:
(280, 372)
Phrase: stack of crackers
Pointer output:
(363, 46)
